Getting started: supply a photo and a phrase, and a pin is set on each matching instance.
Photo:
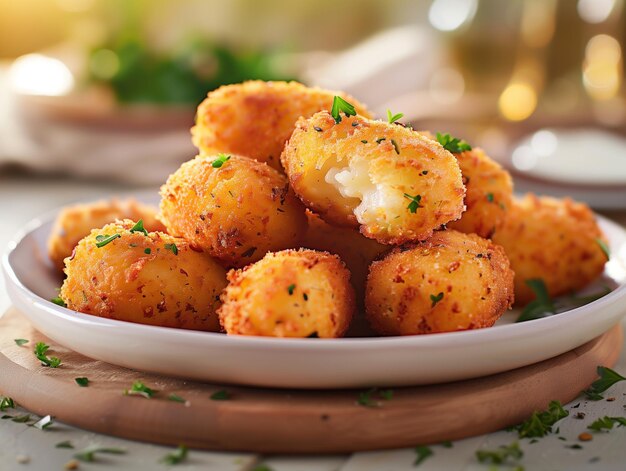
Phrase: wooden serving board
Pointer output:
(285, 421)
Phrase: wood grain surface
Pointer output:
(285, 421)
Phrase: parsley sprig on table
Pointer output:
(176, 457)
(140, 389)
(40, 351)
(502, 454)
(339, 105)
(607, 378)
(452, 144)
(607, 423)
(89, 454)
(540, 422)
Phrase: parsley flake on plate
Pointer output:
(140, 389)
(502, 454)
(422, 453)
(221, 395)
(339, 105)
(58, 301)
(89, 454)
(176, 398)
(40, 351)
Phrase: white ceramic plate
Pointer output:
(306, 363)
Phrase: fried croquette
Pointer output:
(355, 250)
(292, 293)
(450, 282)
(76, 221)
(234, 208)
(554, 240)
(393, 182)
(256, 118)
(121, 272)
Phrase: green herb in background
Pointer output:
(541, 306)
(20, 342)
(176, 398)
(65, 444)
(606, 423)
(452, 144)
(138, 74)
(221, 395)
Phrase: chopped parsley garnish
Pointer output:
(175, 457)
(541, 306)
(20, 419)
(607, 423)
(422, 453)
(44, 422)
(540, 423)
(370, 397)
(220, 160)
(380, 139)
(364, 141)
(89, 453)
(452, 144)
(172, 247)
(6, 403)
(176, 398)
(447, 444)
(102, 240)
(221, 395)
(58, 301)
(147, 251)
(20, 342)
(392, 118)
(395, 146)
(305, 296)
(82, 382)
(65, 444)
(251, 250)
(435, 299)
(140, 389)
(604, 247)
(490, 197)
(291, 288)
(415, 202)
(502, 454)
(139, 228)
(608, 378)
(339, 105)
(40, 352)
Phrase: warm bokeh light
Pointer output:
(595, 11)
(518, 101)
(602, 69)
(544, 143)
(448, 15)
(538, 18)
(36, 74)
(104, 64)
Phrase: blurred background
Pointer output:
(106, 90)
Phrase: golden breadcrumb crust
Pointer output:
(292, 293)
(151, 279)
(551, 239)
(450, 282)
(237, 212)
(76, 221)
(256, 118)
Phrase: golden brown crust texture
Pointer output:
(151, 279)
(292, 293)
(452, 281)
